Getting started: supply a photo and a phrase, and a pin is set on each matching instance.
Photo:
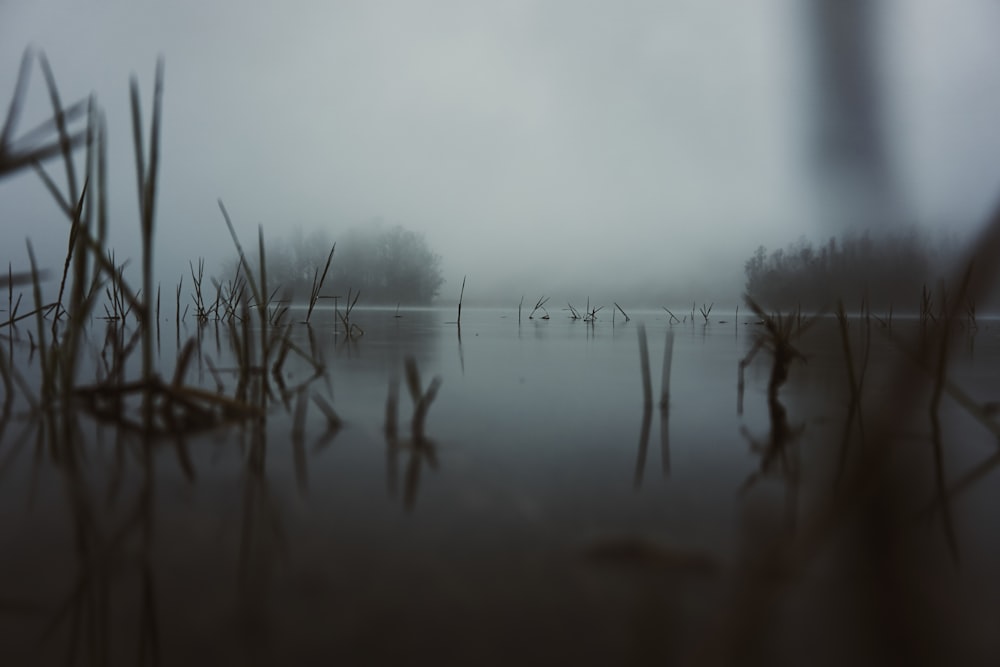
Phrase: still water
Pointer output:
(546, 518)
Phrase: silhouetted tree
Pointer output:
(388, 264)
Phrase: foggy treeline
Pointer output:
(886, 270)
(388, 264)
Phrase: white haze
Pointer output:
(541, 146)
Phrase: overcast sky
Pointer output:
(536, 144)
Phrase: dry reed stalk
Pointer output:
(318, 284)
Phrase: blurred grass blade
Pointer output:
(16, 101)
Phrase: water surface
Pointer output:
(546, 518)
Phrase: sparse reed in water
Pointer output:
(705, 311)
(673, 318)
(317, 284)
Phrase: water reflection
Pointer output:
(645, 425)
(535, 468)
(779, 456)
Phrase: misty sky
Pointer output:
(539, 145)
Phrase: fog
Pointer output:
(561, 147)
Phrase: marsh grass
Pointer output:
(350, 328)
(89, 270)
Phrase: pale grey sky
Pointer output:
(536, 143)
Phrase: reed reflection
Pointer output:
(421, 448)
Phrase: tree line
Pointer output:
(887, 270)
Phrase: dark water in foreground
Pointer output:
(549, 520)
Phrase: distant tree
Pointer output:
(388, 264)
